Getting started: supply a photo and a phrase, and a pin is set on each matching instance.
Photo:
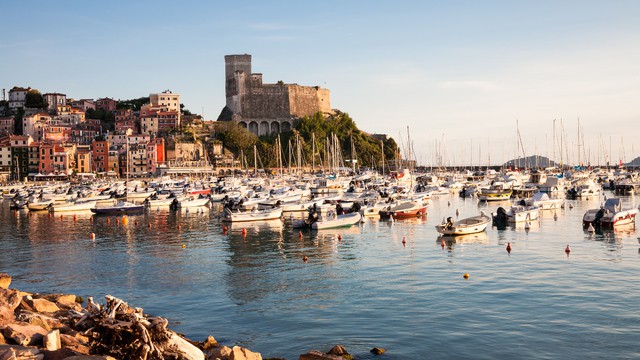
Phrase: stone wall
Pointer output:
(308, 100)
(269, 101)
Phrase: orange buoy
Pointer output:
(224, 228)
(509, 247)
(149, 225)
(61, 217)
(339, 237)
(567, 249)
(442, 243)
(404, 240)
(125, 220)
(74, 218)
(108, 221)
(117, 221)
(305, 258)
(92, 235)
(244, 232)
(135, 222)
(466, 275)
(300, 234)
(50, 215)
(179, 226)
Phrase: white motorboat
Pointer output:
(229, 215)
(72, 206)
(610, 215)
(515, 214)
(38, 204)
(327, 219)
(471, 225)
(544, 202)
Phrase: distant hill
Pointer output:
(634, 162)
(531, 162)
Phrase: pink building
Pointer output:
(106, 104)
(7, 126)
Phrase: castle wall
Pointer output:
(308, 100)
(269, 101)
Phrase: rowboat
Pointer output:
(471, 225)
(72, 206)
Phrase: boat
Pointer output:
(121, 207)
(515, 214)
(494, 193)
(229, 215)
(186, 203)
(471, 225)
(325, 217)
(609, 215)
(71, 206)
(404, 210)
(37, 203)
(544, 202)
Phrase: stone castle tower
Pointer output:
(268, 108)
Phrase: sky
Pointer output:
(460, 79)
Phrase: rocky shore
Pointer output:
(66, 327)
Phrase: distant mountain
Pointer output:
(534, 161)
(634, 162)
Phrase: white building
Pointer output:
(17, 97)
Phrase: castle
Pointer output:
(268, 108)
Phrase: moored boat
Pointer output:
(471, 225)
(121, 207)
(229, 215)
(609, 215)
(404, 210)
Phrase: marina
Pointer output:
(365, 285)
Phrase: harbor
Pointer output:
(282, 291)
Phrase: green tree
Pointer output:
(234, 137)
(34, 99)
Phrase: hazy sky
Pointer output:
(459, 74)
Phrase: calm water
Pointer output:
(363, 291)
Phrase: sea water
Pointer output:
(361, 287)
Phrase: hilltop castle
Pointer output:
(268, 108)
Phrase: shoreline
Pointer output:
(67, 326)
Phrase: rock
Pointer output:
(319, 355)
(187, 350)
(240, 353)
(62, 299)
(2, 340)
(9, 301)
(378, 351)
(51, 340)
(210, 343)
(79, 344)
(338, 350)
(60, 354)
(221, 353)
(24, 334)
(44, 321)
(16, 352)
(5, 281)
(43, 305)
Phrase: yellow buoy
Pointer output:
(125, 220)
(466, 275)
(184, 246)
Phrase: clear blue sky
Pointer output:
(458, 72)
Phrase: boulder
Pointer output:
(60, 354)
(319, 355)
(75, 343)
(339, 350)
(210, 343)
(184, 348)
(5, 281)
(240, 353)
(51, 340)
(221, 353)
(62, 299)
(44, 321)
(9, 301)
(16, 352)
(2, 340)
(24, 334)
(378, 351)
(42, 305)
